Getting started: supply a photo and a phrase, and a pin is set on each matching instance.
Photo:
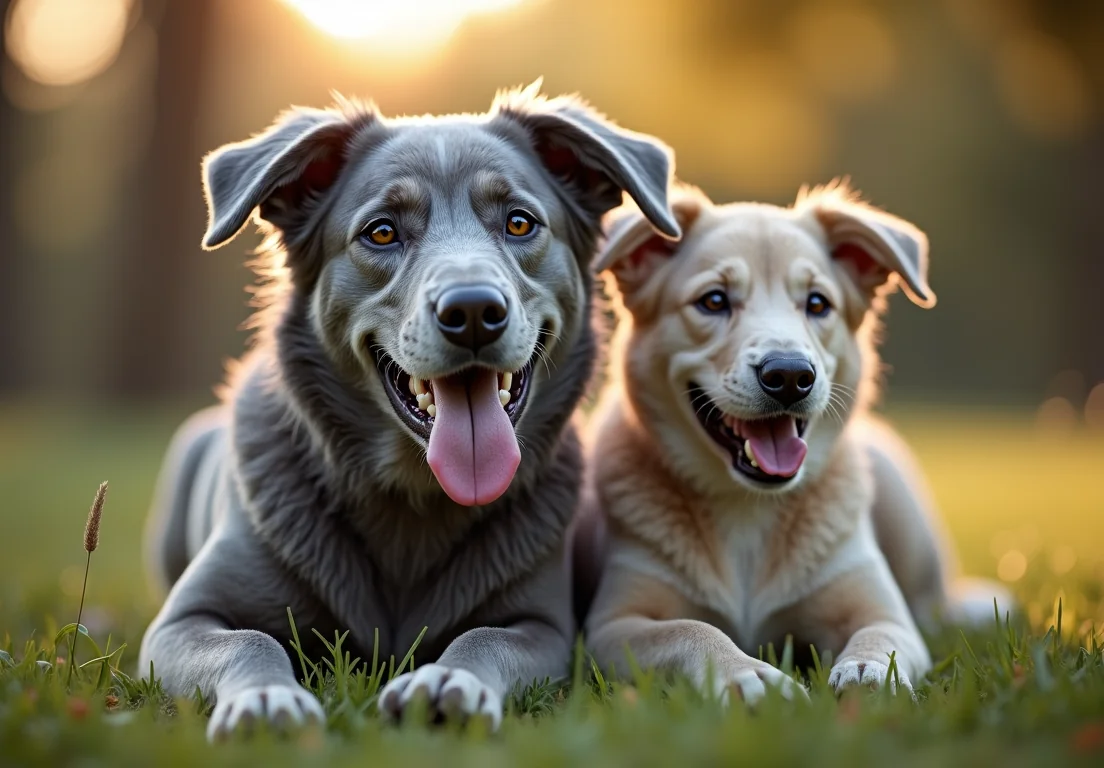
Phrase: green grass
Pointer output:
(1025, 692)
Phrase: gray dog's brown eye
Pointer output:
(380, 232)
(520, 224)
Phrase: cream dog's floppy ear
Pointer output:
(633, 249)
(873, 245)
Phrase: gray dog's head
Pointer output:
(445, 259)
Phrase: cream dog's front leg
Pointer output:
(862, 617)
(637, 615)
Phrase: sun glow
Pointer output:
(65, 42)
(395, 26)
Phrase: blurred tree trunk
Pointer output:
(153, 350)
(11, 355)
(1077, 23)
(1087, 268)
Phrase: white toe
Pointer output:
(749, 685)
(391, 698)
(245, 708)
(282, 706)
(427, 682)
(491, 709)
(791, 689)
(460, 695)
(310, 707)
(279, 705)
(216, 727)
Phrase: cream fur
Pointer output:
(702, 565)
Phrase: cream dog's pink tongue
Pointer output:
(472, 448)
(775, 445)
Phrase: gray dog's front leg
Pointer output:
(478, 670)
(202, 652)
(502, 657)
(481, 666)
(245, 671)
(233, 582)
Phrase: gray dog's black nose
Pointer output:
(786, 379)
(472, 316)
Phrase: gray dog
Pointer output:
(395, 451)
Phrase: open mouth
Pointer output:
(769, 450)
(468, 418)
(413, 399)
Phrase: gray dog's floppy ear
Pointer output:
(593, 157)
(276, 171)
(872, 244)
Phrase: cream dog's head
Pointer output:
(746, 346)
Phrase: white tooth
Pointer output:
(419, 386)
(504, 396)
(424, 401)
(752, 461)
(410, 384)
(507, 382)
(747, 449)
(431, 409)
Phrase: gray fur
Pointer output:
(305, 490)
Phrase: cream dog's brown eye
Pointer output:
(817, 305)
(520, 224)
(714, 303)
(380, 232)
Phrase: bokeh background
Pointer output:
(982, 121)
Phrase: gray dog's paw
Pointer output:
(278, 705)
(449, 693)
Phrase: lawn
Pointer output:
(1026, 506)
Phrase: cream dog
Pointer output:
(742, 492)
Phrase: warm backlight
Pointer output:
(394, 26)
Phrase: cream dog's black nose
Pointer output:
(472, 316)
(787, 379)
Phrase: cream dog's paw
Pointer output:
(449, 693)
(853, 673)
(749, 684)
(282, 706)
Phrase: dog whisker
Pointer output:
(844, 390)
(838, 400)
(707, 392)
(372, 349)
(705, 400)
(542, 354)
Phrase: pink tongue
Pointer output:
(775, 445)
(472, 448)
